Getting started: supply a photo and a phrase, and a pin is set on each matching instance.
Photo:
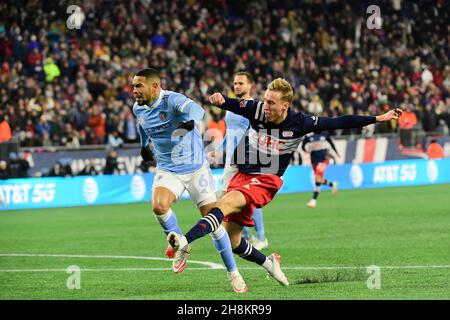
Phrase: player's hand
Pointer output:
(183, 128)
(394, 114)
(217, 99)
(187, 125)
(147, 154)
(211, 156)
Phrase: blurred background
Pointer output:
(65, 102)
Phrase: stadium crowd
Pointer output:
(62, 87)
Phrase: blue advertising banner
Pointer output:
(114, 189)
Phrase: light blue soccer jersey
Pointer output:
(236, 127)
(178, 154)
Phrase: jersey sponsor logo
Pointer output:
(287, 134)
(163, 116)
(270, 143)
(265, 142)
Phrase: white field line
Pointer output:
(211, 265)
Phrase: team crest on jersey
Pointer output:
(163, 116)
(287, 134)
(242, 104)
(140, 120)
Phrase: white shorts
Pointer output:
(199, 184)
(228, 172)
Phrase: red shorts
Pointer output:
(258, 189)
(319, 168)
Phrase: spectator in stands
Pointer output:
(435, 150)
(14, 165)
(114, 140)
(24, 165)
(407, 122)
(96, 122)
(322, 47)
(111, 165)
(216, 126)
(51, 70)
(4, 172)
(61, 168)
(5, 129)
(89, 169)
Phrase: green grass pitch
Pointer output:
(325, 251)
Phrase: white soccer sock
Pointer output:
(267, 264)
(164, 217)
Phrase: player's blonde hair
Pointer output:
(284, 87)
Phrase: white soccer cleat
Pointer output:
(312, 203)
(182, 250)
(237, 282)
(258, 244)
(334, 188)
(275, 271)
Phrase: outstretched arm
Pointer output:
(246, 108)
(314, 123)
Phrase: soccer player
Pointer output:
(317, 144)
(168, 119)
(236, 127)
(274, 134)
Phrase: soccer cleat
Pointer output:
(237, 282)
(180, 261)
(259, 244)
(182, 250)
(334, 188)
(170, 253)
(312, 203)
(275, 271)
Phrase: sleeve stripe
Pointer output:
(259, 115)
(185, 104)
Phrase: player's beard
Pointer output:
(144, 101)
(240, 95)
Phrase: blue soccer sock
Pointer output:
(223, 245)
(259, 224)
(168, 222)
(246, 233)
(245, 250)
(205, 225)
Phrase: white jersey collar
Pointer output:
(157, 101)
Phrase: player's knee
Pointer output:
(160, 208)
